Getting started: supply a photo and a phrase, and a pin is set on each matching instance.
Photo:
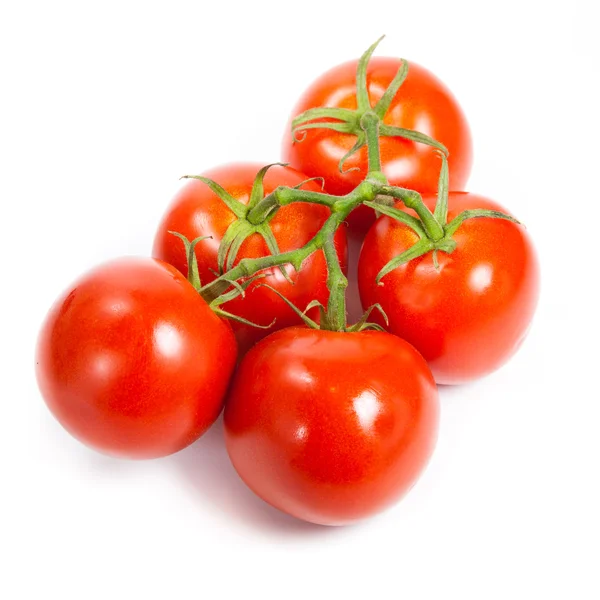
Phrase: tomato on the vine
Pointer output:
(468, 315)
(198, 211)
(331, 427)
(132, 361)
(423, 103)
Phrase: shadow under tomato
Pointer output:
(207, 469)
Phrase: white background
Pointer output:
(103, 106)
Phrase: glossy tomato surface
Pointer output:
(423, 103)
(470, 316)
(197, 211)
(331, 427)
(131, 360)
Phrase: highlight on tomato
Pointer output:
(331, 426)
(217, 204)
(467, 311)
(132, 361)
(418, 114)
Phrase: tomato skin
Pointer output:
(423, 103)
(470, 317)
(132, 362)
(331, 427)
(197, 211)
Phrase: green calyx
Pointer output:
(434, 231)
(192, 261)
(328, 322)
(236, 288)
(324, 240)
(246, 223)
(366, 122)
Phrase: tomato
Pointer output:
(423, 103)
(470, 316)
(331, 427)
(131, 360)
(197, 211)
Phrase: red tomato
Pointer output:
(197, 211)
(331, 427)
(470, 316)
(131, 360)
(423, 103)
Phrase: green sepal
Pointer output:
(411, 134)
(423, 246)
(476, 213)
(441, 204)
(361, 140)
(234, 205)
(305, 319)
(232, 317)
(399, 215)
(244, 231)
(321, 112)
(271, 242)
(373, 327)
(322, 309)
(239, 289)
(339, 127)
(384, 102)
(258, 190)
(192, 262)
(228, 239)
(362, 93)
(321, 179)
(363, 323)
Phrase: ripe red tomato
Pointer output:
(331, 427)
(423, 103)
(131, 360)
(470, 316)
(197, 211)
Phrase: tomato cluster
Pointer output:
(242, 305)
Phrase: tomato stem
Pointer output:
(370, 125)
(281, 196)
(336, 284)
(412, 199)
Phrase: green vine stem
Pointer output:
(370, 125)
(428, 229)
(412, 199)
(335, 318)
(281, 196)
(433, 231)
